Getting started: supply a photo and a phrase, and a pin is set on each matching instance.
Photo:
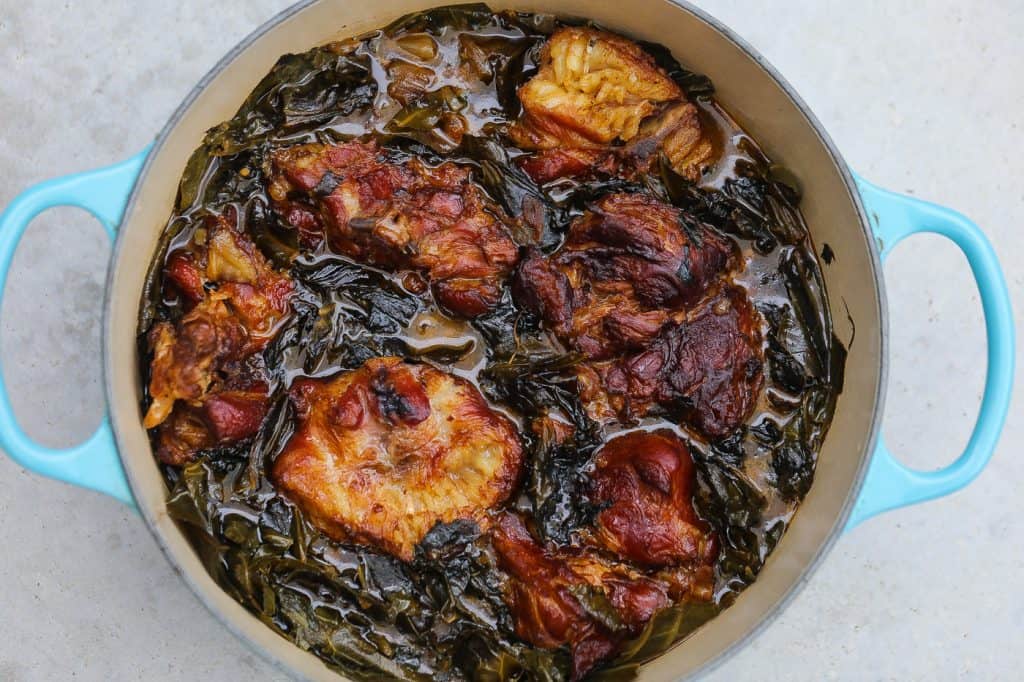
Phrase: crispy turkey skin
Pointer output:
(595, 89)
(383, 453)
(592, 88)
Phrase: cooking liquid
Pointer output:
(456, 345)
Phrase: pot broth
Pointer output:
(441, 616)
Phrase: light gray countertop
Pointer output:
(924, 97)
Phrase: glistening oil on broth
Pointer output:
(442, 614)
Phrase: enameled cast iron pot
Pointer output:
(856, 476)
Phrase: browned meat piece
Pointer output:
(551, 596)
(636, 238)
(678, 134)
(186, 356)
(202, 393)
(383, 453)
(398, 215)
(222, 417)
(236, 318)
(551, 164)
(619, 291)
(705, 369)
(594, 89)
(643, 482)
(625, 266)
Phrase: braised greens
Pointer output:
(442, 617)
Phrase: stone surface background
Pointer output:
(922, 97)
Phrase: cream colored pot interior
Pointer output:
(745, 87)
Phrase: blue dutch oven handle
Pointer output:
(889, 484)
(94, 463)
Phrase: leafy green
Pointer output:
(422, 119)
(301, 92)
(695, 85)
(535, 383)
(556, 485)
(465, 17)
(364, 612)
(513, 189)
(733, 504)
(540, 385)
(667, 628)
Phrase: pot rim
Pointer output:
(853, 194)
